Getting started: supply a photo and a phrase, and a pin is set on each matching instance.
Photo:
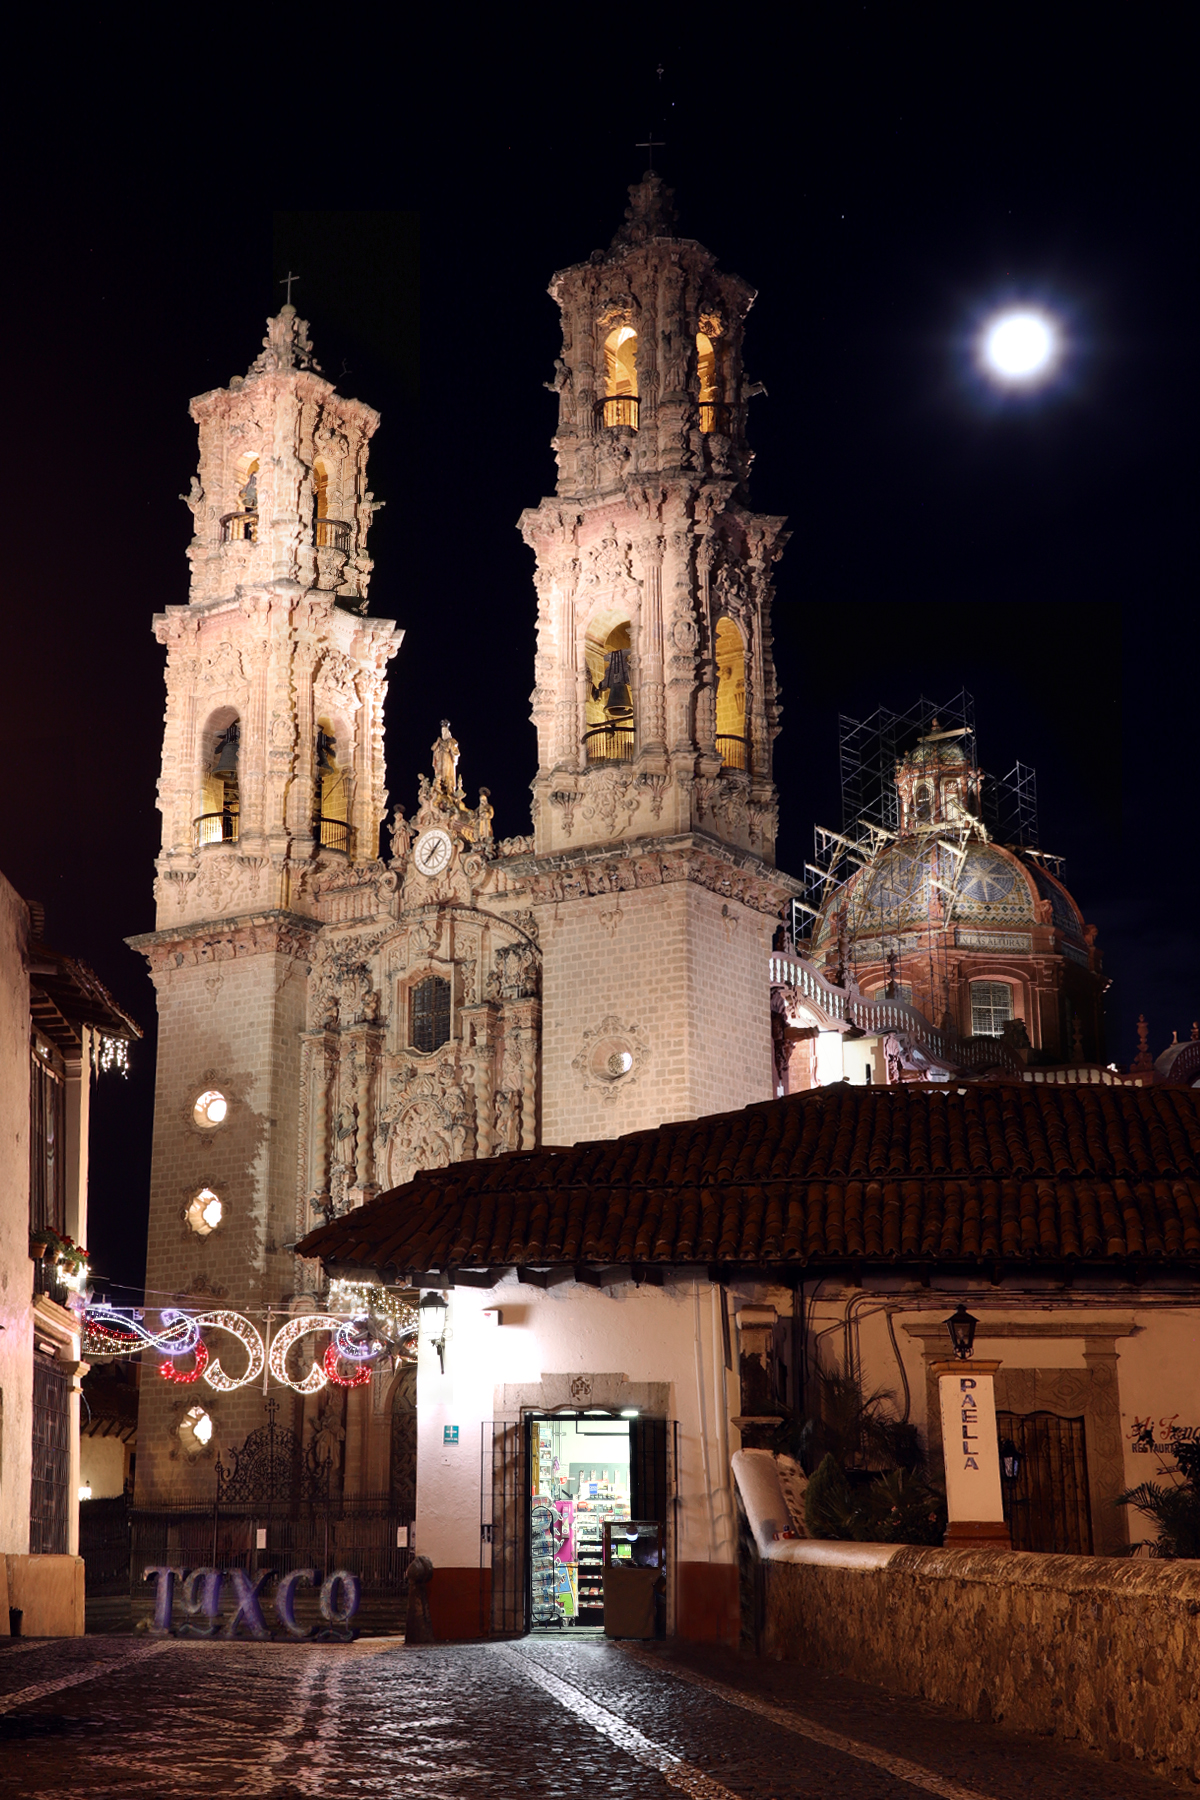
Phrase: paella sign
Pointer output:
(198, 1593)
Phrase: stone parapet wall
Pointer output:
(1099, 1650)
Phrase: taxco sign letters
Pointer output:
(199, 1594)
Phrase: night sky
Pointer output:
(880, 177)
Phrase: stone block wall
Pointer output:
(680, 975)
(233, 1025)
(1103, 1651)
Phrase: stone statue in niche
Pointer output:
(402, 833)
(506, 1121)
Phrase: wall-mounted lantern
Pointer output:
(433, 1324)
(962, 1332)
(1010, 1462)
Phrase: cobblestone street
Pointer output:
(136, 1719)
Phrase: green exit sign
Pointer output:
(449, 1434)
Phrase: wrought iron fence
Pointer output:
(333, 834)
(620, 409)
(215, 828)
(609, 743)
(364, 1534)
(332, 534)
(239, 528)
(733, 751)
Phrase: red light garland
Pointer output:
(169, 1372)
(363, 1371)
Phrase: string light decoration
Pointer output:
(290, 1334)
(107, 1332)
(392, 1318)
(240, 1328)
(109, 1053)
(170, 1372)
(361, 1376)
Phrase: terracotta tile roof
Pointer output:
(1018, 1172)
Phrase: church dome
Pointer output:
(895, 893)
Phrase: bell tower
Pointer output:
(272, 790)
(656, 706)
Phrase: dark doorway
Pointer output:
(1047, 1508)
(404, 1443)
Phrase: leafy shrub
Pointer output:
(1175, 1510)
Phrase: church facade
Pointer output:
(338, 1012)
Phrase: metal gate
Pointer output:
(1047, 1507)
(50, 1484)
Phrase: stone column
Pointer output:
(974, 1503)
(653, 720)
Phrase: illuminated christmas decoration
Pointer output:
(355, 1348)
(244, 1331)
(109, 1053)
(360, 1377)
(392, 1318)
(111, 1333)
(169, 1372)
(290, 1334)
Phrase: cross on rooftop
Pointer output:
(651, 144)
(287, 283)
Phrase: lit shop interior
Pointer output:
(592, 1563)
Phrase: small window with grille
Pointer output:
(430, 1019)
(991, 1006)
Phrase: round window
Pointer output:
(610, 1059)
(210, 1109)
(195, 1430)
(205, 1212)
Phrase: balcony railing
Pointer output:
(333, 834)
(332, 534)
(733, 751)
(609, 743)
(215, 828)
(715, 416)
(239, 528)
(620, 409)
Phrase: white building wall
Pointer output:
(670, 1335)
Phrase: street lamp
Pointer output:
(433, 1322)
(1010, 1462)
(962, 1332)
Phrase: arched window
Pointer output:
(620, 377)
(733, 744)
(608, 734)
(429, 1014)
(332, 822)
(706, 374)
(991, 1008)
(219, 804)
(328, 533)
(241, 525)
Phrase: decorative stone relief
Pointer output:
(611, 1056)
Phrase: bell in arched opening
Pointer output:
(219, 803)
(733, 743)
(331, 826)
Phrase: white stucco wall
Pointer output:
(646, 1334)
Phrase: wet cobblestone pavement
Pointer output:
(107, 1716)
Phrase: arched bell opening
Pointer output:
(241, 525)
(620, 404)
(331, 824)
(608, 711)
(732, 739)
(328, 533)
(712, 412)
(220, 806)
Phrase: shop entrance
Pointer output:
(596, 1499)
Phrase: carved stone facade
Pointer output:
(649, 552)
(656, 704)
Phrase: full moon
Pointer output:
(1019, 348)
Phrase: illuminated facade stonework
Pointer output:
(656, 703)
